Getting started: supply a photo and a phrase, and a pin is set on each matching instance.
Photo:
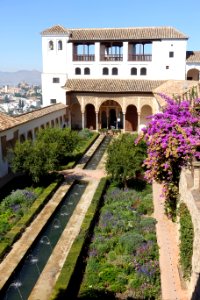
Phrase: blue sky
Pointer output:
(22, 21)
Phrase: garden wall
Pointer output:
(189, 189)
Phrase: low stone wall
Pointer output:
(189, 189)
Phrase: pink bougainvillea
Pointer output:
(173, 138)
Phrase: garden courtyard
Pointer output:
(122, 240)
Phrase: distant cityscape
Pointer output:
(15, 100)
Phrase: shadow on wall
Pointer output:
(196, 293)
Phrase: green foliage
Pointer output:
(130, 242)
(186, 240)
(46, 153)
(70, 265)
(125, 158)
(13, 227)
(123, 257)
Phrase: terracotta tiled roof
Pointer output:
(57, 29)
(132, 33)
(7, 121)
(111, 85)
(193, 56)
(176, 88)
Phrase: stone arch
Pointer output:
(22, 138)
(110, 113)
(146, 111)
(76, 116)
(193, 74)
(36, 130)
(90, 116)
(131, 118)
(30, 135)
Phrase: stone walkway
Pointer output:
(166, 235)
(168, 244)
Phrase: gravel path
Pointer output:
(168, 244)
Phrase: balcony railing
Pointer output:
(111, 57)
(140, 57)
(83, 57)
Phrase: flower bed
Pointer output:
(123, 257)
(19, 209)
(72, 268)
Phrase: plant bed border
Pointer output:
(15, 233)
(64, 285)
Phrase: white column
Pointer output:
(107, 116)
(70, 120)
(124, 121)
(125, 51)
(83, 120)
(138, 129)
(97, 121)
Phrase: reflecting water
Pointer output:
(95, 159)
(22, 282)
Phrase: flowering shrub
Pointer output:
(123, 256)
(13, 207)
(172, 138)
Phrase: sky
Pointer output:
(22, 21)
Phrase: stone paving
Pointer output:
(21, 247)
(166, 235)
(168, 244)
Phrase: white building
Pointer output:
(26, 126)
(107, 76)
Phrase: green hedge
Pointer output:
(77, 156)
(17, 230)
(74, 257)
(186, 240)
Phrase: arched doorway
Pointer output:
(193, 74)
(146, 111)
(104, 123)
(90, 116)
(111, 114)
(76, 116)
(112, 118)
(131, 118)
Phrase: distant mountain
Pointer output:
(13, 78)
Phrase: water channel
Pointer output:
(95, 159)
(26, 275)
(21, 283)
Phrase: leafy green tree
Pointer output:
(61, 141)
(46, 153)
(125, 158)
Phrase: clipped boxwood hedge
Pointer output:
(186, 240)
(75, 256)
(17, 230)
(76, 157)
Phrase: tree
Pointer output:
(125, 158)
(172, 138)
(46, 153)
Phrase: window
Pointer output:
(143, 71)
(133, 71)
(51, 46)
(105, 71)
(60, 45)
(53, 101)
(77, 71)
(171, 53)
(114, 71)
(167, 67)
(56, 79)
(86, 71)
